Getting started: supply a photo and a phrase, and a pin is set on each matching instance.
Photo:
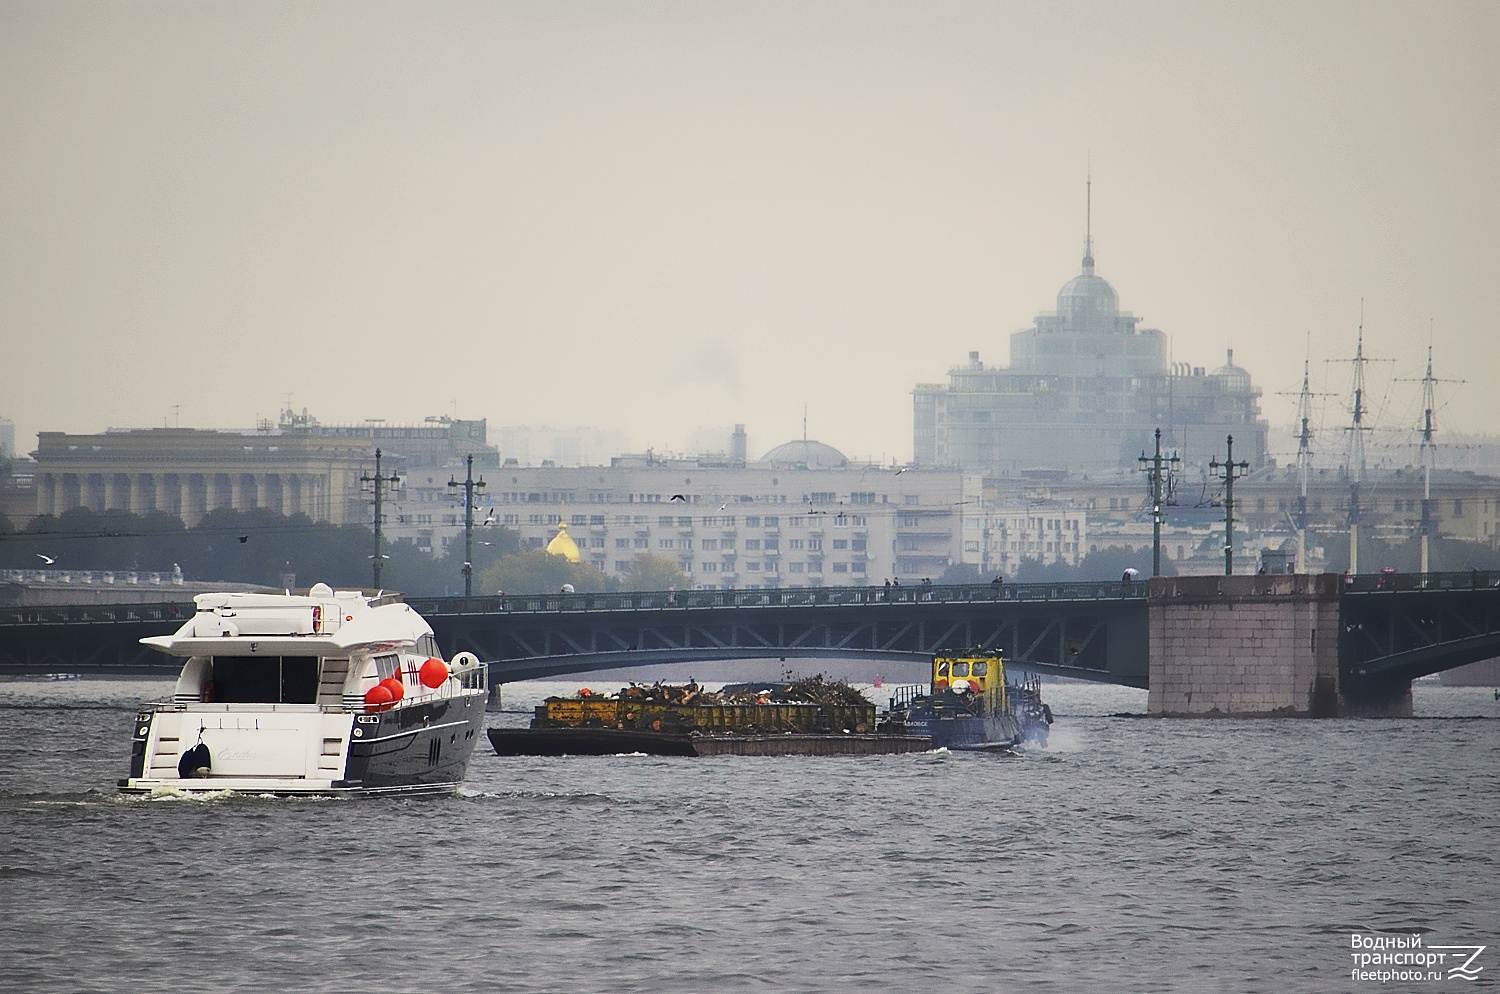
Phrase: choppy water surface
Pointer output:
(1132, 855)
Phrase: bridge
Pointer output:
(1404, 626)
(1094, 631)
(1090, 630)
(1380, 631)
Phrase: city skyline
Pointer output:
(668, 218)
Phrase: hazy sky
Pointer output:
(659, 216)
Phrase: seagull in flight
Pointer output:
(678, 497)
(490, 519)
(244, 539)
(903, 469)
(723, 505)
(46, 559)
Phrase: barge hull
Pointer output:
(586, 742)
(809, 745)
(614, 741)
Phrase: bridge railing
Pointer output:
(1382, 582)
(655, 600)
(659, 600)
(95, 614)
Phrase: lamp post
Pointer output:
(1159, 470)
(379, 482)
(1232, 471)
(469, 485)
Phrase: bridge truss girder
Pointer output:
(93, 648)
(1395, 635)
(1096, 642)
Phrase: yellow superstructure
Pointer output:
(984, 672)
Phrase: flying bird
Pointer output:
(724, 505)
(903, 469)
(46, 559)
(244, 539)
(678, 497)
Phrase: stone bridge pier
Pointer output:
(1256, 646)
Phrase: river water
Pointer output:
(1132, 854)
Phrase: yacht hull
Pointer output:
(419, 749)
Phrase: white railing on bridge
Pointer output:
(93, 577)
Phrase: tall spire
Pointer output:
(1088, 225)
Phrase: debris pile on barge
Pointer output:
(812, 716)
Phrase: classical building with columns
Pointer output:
(189, 472)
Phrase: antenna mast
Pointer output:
(1357, 430)
(1088, 224)
(1304, 455)
(1304, 465)
(1429, 527)
(1429, 453)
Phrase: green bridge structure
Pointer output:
(1254, 645)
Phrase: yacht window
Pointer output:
(942, 669)
(981, 668)
(265, 679)
(960, 669)
(387, 665)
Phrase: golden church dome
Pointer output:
(562, 545)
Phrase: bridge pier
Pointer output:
(1251, 646)
(1382, 699)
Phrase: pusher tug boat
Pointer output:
(319, 694)
(972, 706)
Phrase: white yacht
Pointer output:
(323, 693)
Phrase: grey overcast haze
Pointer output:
(656, 217)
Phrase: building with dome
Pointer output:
(803, 515)
(805, 454)
(1086, 389)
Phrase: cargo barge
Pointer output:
(688, 721)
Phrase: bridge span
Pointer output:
(1093, 631)
(1202, 645)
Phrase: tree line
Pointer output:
(263, 547)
